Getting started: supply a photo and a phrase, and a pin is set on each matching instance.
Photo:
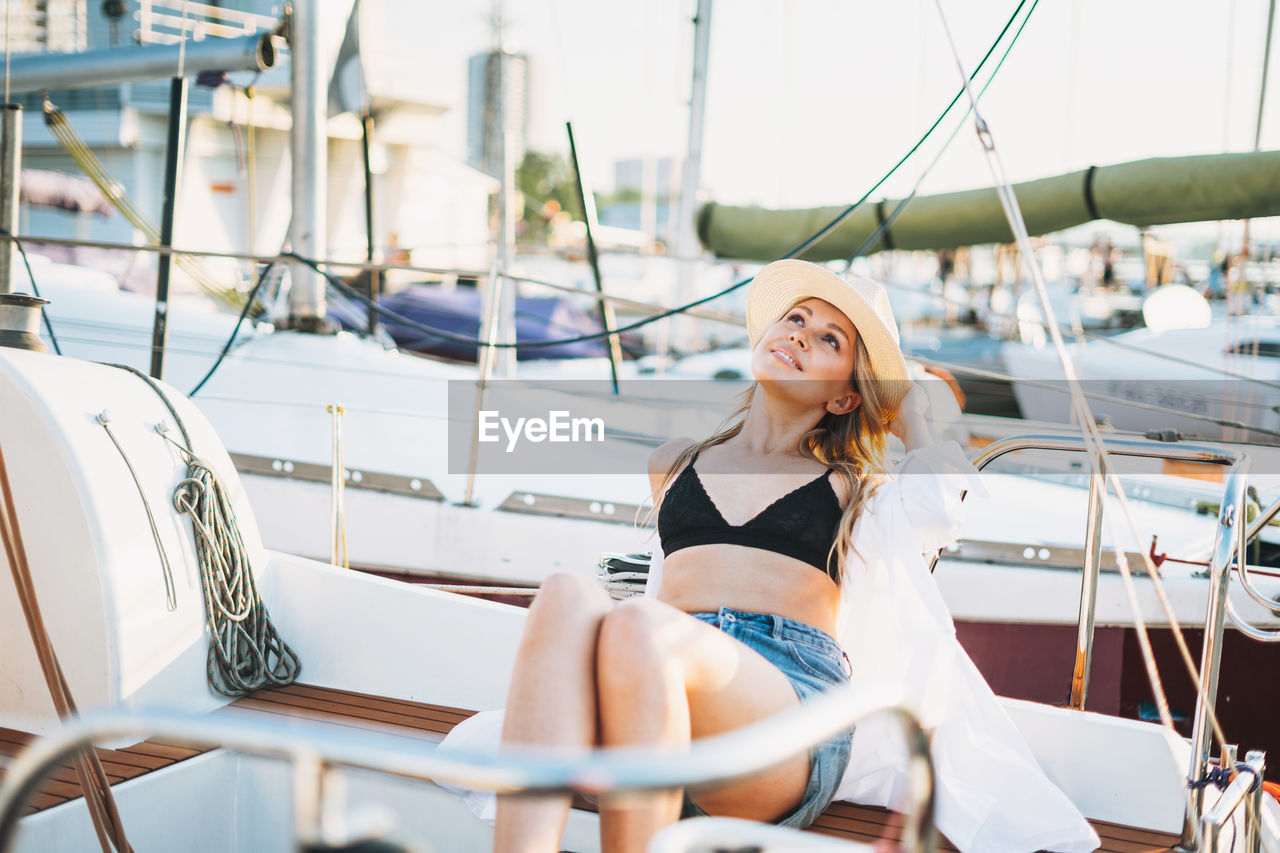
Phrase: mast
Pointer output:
(691, 178)
(1257, 128)
(10, 169)
(308, 147)
(499, 300)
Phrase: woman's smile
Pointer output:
(787, 356)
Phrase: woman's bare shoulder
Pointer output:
(661, 460)
(870, 482)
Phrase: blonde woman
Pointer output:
(763, 529)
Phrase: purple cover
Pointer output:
(458, 312)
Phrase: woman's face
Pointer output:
(813, 341)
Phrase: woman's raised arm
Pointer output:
(932, 477)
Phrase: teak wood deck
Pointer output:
(431, 722)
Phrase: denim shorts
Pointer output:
(812, 661)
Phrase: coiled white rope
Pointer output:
(245, 649)
(246, 652)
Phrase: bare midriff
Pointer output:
(707, 577)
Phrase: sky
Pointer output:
(810, 102)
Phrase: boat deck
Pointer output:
(119, 764)
(420, 721)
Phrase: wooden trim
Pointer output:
(120, 765)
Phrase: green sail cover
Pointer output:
(1158, 191)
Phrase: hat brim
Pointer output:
(780, 285)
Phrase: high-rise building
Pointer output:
(484, 131)
(663, 182)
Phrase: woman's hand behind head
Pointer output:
(910, 415)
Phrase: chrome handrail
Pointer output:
(1226, 544)
(1260, 634)
(1242, 548)
(1229, 544)
(512, 770)
(1255, 526)
(1140, 447)
(1135, 447)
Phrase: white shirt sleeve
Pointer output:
(929, 484)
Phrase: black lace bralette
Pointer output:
(801, 524)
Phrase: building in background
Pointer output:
(429, 209)
(484, 130)
(646, 196)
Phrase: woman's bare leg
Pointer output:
(663, 678)
(552, 700)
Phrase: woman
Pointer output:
(761, 527)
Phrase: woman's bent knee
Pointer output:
(637, 631)
(573, 593)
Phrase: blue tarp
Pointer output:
(457, 311)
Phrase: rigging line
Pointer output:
(884, 227)
(662, 314)
(7, 5)
(182, 40)
(636, 305)
(249, 302)
(1091, 336)
(679, 309)
(365, 266)
(826, 229)
(1091, 431)
(329, 369)
(1137, 404)
(56, 121)
(1093, 439)
(166, 569)
(295, 404)
(683, 308)
(560, 59)
(629, 304)
(1226, 95)
(1266, 66)
(44, 315)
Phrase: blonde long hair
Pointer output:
(853, 444)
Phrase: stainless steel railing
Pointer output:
(1227, 543)
(1246, 535)
(1231, 537)
(737, 753)
(1093, 528)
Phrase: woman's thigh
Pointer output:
(729, 685)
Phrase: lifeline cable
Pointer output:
(885, 223)
(641, 306)
(244, 312)
(44, 315)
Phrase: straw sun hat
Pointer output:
(782, 284)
